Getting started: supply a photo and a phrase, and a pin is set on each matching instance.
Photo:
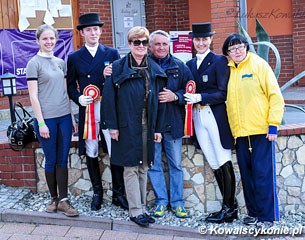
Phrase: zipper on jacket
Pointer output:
(250, 147)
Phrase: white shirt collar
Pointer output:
(201, 57)
(45, 55)
(92, 50)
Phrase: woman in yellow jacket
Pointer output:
(255, 109)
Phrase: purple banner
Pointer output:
(17, 48)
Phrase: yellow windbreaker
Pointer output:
(254, 100)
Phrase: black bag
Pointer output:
(21, 131)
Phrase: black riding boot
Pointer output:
(220, 181)
(118, 188)
(52, 184)
(95, 177)
(62, 179)
(225, 178)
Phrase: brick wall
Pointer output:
(22, 96)
(224, 18)
(298, 22)
(103, 8)
(285, 47)
(168, 15)
(18, 169)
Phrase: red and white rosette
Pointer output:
(188, 124)
(90, 127)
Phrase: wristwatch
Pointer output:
(176, 97)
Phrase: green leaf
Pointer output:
(278, 63)
(262, 36)
(243, 32)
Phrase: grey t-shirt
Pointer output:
(50, 74)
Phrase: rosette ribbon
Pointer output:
(188, 124)
(90, 126)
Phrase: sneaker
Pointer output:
(180, 212)
(264, 225)
(66, 208)
(159, 211)
(250, 220)
(52, 206)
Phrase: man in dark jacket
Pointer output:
(178, 76)
(85, 84)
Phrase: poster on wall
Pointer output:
(181, 45)
(17, 48)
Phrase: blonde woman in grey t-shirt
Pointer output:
(54, 120)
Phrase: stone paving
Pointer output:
(50, 232)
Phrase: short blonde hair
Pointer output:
(137, 32)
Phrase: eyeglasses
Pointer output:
(138, 43)
(235, 48)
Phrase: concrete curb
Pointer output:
(127, 226)
(11, 215)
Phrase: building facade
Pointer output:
(283, 20)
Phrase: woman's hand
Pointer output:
(44, 131)
(114, 134)
(158, 137)
(271, 137)
(75, 127)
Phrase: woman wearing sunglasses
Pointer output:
(255, 109)
(134, 118)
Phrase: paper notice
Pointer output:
(66, 11)
(23, 23)
(48, 19)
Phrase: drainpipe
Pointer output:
(243, 14)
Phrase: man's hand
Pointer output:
(114, 134)
(192, 97)
(85, 100)
(166, 96)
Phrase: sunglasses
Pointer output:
(138, 43)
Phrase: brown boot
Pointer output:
(66, 208)
(52, 206)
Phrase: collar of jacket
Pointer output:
(171, 60)
(233, 65)
(122, 71)
(162, 62)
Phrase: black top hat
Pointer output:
(89, 19)
(201, 30)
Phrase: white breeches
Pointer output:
(208, 137)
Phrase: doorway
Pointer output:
(125, 15)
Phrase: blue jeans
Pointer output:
(56, 148)
(172, 149)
